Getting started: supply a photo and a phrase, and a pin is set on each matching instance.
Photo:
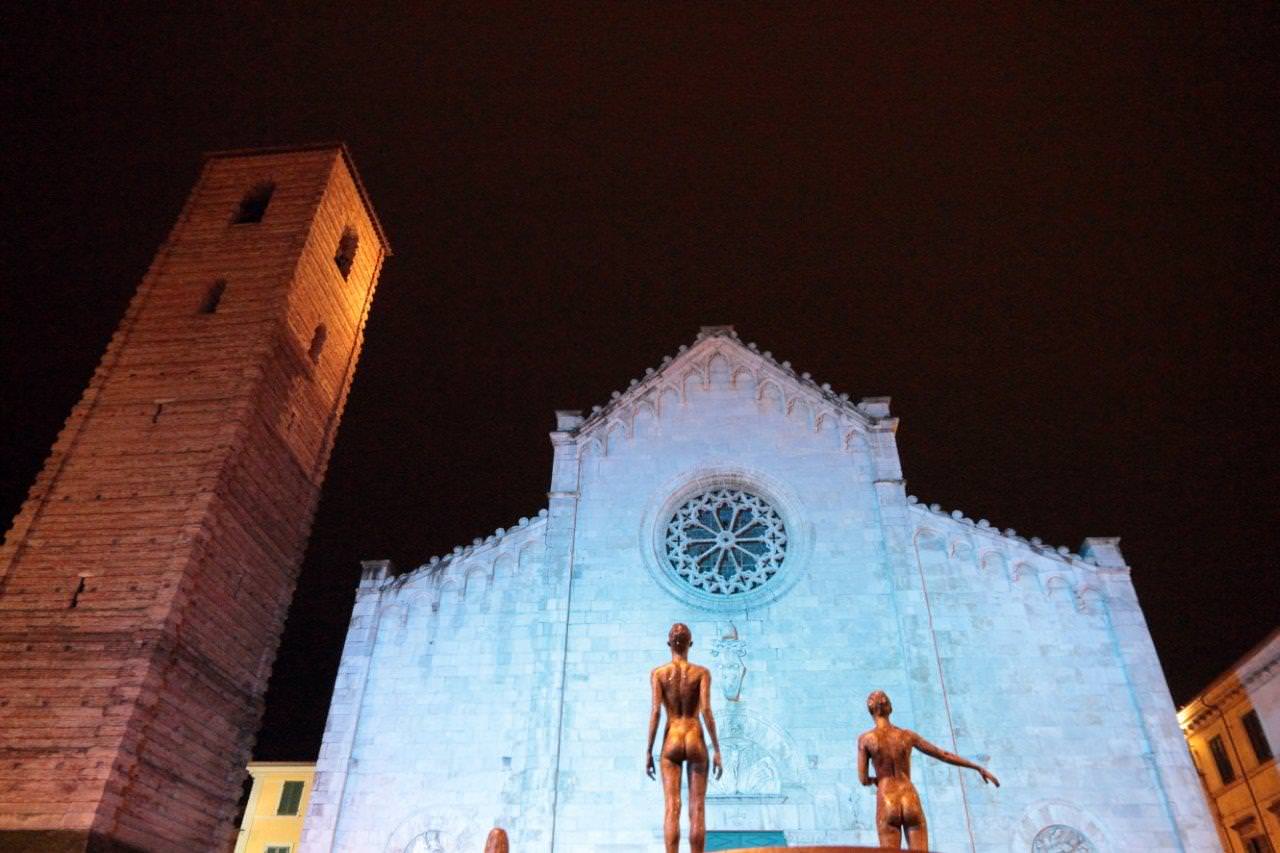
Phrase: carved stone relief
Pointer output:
(731, 669)
(749, 771)
(427, 842)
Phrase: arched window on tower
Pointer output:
(317, 343)
(346, 254)
(213, 296)
(254, 204)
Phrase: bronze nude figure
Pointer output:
(497, 841)
(898, 810)
(684, 690)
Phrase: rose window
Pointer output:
(1060, 838)
(726, 542)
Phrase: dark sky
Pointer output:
(1049, 234)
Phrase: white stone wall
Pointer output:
(486, 684)
(1257, 673)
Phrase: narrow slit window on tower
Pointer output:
(75, 596)
(213, 296)
(346, 254)
(254, 204)
(317, 343)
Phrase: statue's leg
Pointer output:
(890, 836)
(887, 824)
(697, 806)
(671, 797)
(918, 835)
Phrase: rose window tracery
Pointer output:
(726, 541)
(1061, 838)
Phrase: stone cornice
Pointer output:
(1061, 552)
(438, 566)
(1256, 668)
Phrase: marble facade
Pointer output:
(507, 683)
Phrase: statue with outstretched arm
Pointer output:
(898, 811)
(684, 690)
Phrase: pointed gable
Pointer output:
(719, 357)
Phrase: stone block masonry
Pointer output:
(145, 581)
(507, 684)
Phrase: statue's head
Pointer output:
(878, 704)
(680, 638)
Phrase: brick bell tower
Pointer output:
(145, 581)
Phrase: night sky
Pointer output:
(1049, 234)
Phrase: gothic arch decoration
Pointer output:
(994, 562)
(770, 396)
(1054, 826)
(477, 577)
(445, 584)
(718, 359)
(930, 539)
(470, 571)
(959, 548)
(1090, 599)
(1057, 587)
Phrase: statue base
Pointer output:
(817, 848)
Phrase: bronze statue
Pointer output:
(497, 841)
(898, 810)
(684, 689)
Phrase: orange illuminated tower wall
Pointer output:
(144, 583)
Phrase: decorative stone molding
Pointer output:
(717, 350)
(1067, 578)
(985, 527)
(474, 567)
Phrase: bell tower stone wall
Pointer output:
(144, 582)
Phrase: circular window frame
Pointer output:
(678, 491)
(1042, 814)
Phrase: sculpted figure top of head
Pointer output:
(878, 704)
(680, 637)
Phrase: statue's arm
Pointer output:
(951, 758)
(704, 701)
(655, 710)
(863, 776)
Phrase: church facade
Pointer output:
(507, 683)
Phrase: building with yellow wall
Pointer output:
(1233, 728)
(277, 804)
